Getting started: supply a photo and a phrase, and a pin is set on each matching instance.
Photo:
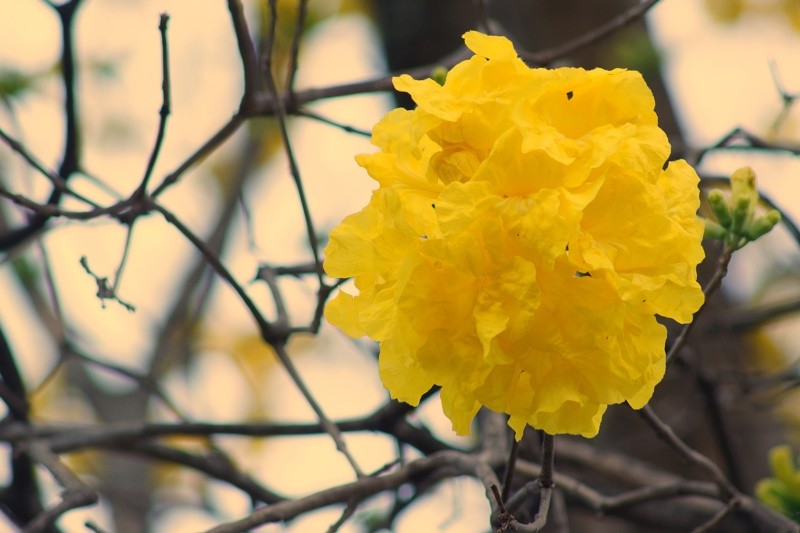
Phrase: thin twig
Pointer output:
(590, 37)
(57, 181)
(297, 35)
(307, 113)
(348, 512)
(211, 464)
(509, 473)
(166, 106)
(451, 462)
(668, 435)
(268, 103)
(719, 517)
(545, 483)
(267, 275)
(272, 335)
(287, 145)
(63, 438)
(200, 153)
(713, 284)
(787, 99)
(143, 381)
(104, 290)
(124, 259)
(266, 329)
(329, 427)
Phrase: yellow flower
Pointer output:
(523, 237)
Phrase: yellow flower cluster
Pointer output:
(522, 239)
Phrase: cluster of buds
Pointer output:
(736, 222)
(782, 490)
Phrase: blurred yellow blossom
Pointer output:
(524, 234)
(732, 11)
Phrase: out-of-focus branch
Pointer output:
(668, 435)
(294, 53)
(214, 465)
(456, 463)
(70, 161)
(247, 53)
(57, 181)
(20, 500)
(75, 494)
(631, 15)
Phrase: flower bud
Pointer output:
(762, 225)
(744, 197)
(720, 208)
(439, 75)
(740, 215)
(713, 230)
(743, 186)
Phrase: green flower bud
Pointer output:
(439, 75)
(713, 230)
(719, 205)
(762, 225)
(740, 214)
(743, 188)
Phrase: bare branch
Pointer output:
(668, 435)
(165, 106)
(75, 494)
(287, 145)
(297, 35)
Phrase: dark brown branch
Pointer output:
(75, 494)
(456, 463)
(57, 181)
(247, 52)
(668, 435)
(509, 473)
(70, 161)
(631, 15)
(200, 153)
(280, 114)
(267, 330)
(713, 284)
(215, 466)
(166, 106)
(389, 419)
(545, 483)
(20, 500)
(297, 35)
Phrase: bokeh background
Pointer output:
(714, 66)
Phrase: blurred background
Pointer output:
(725, 74)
